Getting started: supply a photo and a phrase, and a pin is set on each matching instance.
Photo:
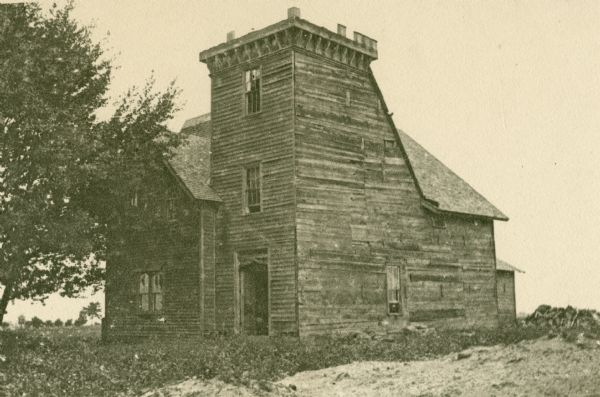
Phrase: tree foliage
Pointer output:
(64, 175)
(93, 310)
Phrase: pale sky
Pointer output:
(505, 93)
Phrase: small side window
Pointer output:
(393, 290)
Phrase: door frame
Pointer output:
(239, 286)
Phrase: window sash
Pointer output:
(393, 287)
(151, 292)
(253, 189)
(252, 90)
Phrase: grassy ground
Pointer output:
(72, 361)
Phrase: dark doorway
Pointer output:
(254, 298)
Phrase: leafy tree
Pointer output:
(65, 178)
(68, 323)
(58, 322)
(21, 320)
(82, 319)
(52, 80)
(93, 310)
(36, 322)
(48, 323)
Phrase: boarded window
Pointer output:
(252, 90)
(393, 289)
(391, 148)
(251, 188)
(151, 292)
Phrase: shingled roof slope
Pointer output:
(191, 162)
(502, 265)
(443, 186)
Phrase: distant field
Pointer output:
(72, 361)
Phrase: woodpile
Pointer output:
(563, 317)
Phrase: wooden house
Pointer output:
(302, 209)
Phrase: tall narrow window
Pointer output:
(393, 289)
(252, 90)
(252, 179)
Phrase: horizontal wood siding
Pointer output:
(208, 250)
(173, 250)
(359, 210)
(237, 141)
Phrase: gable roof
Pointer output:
(191, 163)
(507, 267)
(441, 185)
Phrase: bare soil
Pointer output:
(542, 367)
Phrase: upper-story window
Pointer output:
(251, 188)
(252, 90)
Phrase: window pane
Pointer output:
(144, 302)
(144, 283)
(158, 302)
(157, 283)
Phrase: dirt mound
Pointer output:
(547, 366)
(530, 368)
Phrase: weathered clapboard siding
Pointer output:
(207, 266)
(239, 140)
(506, 297)
(173, 250)
(358, 210)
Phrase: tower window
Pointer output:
(252, 90)
(252, 189)
(391, 148)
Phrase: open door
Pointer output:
(254, 297)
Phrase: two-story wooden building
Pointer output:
(303, 209)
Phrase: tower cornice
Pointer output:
(289, 33)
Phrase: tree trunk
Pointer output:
(6, 297)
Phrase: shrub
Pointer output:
(36, 322)
(58, 322)
(68, 323)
